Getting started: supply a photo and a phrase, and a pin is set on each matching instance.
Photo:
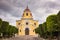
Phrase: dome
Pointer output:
(27, 13)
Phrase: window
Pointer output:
(34, 23)
(20, 30)
(18, 23)
(33, 30)
(26, 23)
(26, 14)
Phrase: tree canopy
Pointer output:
(6, 29)
(51, 27)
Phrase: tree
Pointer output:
(58, 19)
(40, 30)
(12, 30)
(0, 26)
(7, 30)
(15, 30)
(51, 24)
(0, 22)
(4, 28)
(44, 26)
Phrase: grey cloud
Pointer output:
(40, 9)
(53, 5)
(6, 7)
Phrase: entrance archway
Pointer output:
(27, 31)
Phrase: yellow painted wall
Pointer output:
(21, 24)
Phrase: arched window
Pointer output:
(26, 14)
(18, 23)
(33, 30)
(20, 30)
(34, 23)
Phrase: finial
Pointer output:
(27, 6)
(27, 9)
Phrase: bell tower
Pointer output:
(27, 13)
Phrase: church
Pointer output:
(27, 25)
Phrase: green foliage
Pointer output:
(39, 29)
(50, 28)
(58, 19)
(0, 22)
(12, 30)
(51, 22)
(58, 16)
(6, 29)
(44, 27)
(0, 25)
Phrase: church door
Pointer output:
(27, 31)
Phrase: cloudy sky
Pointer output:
(12, 10)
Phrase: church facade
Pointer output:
(26, 25)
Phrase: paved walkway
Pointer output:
(23, 38)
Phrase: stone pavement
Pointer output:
(23, 38)
(27, 37)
